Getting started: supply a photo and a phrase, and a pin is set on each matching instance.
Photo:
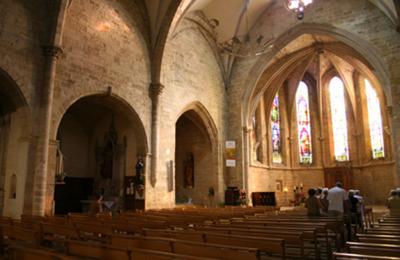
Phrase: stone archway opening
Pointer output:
(196, 178)
(100, 143)
(14, 146)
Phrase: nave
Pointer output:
(199, 233)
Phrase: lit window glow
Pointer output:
(303, 124)
(339, 121)
(276, 131)
(375, 122)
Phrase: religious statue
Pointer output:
(139, 172)
(189, 172)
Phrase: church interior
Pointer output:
(199, 123)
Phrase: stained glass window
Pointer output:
(339, 121)
(303, 124)
(375, 121)
(276, 131)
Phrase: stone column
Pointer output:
(51, 54)
(245, 157)
(155, 91)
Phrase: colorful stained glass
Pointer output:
(375, 121)
(339, 120)
(303, 124)
(276, 131)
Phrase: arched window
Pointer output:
(303, 124)
(375, 121)
(339, 121)
(276, 131)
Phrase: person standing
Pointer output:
(312, 204)
(394, 203)
(336, 198)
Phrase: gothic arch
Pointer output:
(197, 138)
(15, 134)
(366, 53)
(206, 118)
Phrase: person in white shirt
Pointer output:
(336, 198)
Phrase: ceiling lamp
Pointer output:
(244, 45)
(298, 6)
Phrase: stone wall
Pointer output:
(192, 78)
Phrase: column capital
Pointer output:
(52, 51)
(155, 89)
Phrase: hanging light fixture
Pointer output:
(298, 6)
(244, 45)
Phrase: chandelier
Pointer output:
(244, 45)
(298, 6)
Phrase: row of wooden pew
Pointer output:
(187, 233)
(125, 237)
(379, 241)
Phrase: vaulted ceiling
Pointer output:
(231, 15)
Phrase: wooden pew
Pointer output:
(379, 240)
(347, 256)
(186, 247)
(95, 250)
(292, 238)
(18, 252)
(11, 235)
(373, 245)
(59, 232)
(94, 231)
(271, 246)
(369, 250)
(320, 228)
(101, 251)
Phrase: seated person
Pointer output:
(312, 204)
(394, 203)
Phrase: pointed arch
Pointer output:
(303, 124)
(374, 121)
(206, 119)
(338, 119)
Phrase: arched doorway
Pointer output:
(15, 131)
(196, 173)
(100, 142)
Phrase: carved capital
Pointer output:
(52, 51)
(155, 90)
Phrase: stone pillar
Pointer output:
(155, 91)
(51, 54)
(245, 158)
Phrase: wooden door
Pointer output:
(342, 174)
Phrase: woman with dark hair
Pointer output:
(312, 204)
